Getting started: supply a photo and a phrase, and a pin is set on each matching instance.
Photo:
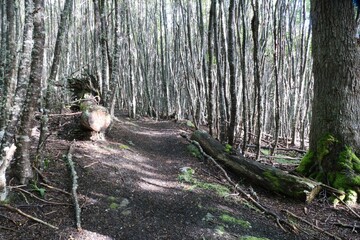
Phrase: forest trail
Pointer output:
(132, 186)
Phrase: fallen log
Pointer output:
(259, 174)
(94, 117)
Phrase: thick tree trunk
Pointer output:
(335, 129)
(262, 175)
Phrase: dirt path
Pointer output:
(133, 191)
(129, 188)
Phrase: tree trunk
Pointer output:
(335, 131)
(23, 162)
(49, 100)
(10, 66)
(262, 175)
(232, 72)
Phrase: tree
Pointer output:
(334, 131)
(23, 162)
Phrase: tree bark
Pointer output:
(262, 175)
(23, 163)
(335, 129)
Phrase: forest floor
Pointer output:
(142, 182)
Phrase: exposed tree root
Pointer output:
(74, 187)
(29, 216)
(351, 210)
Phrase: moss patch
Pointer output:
(194, 151)
(229, 219)
(187, 176)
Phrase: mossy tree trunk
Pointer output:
(334, 134)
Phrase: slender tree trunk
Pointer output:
(210, 99)
(232, 70)
(23, 163)
(255, 29)
(49, 99)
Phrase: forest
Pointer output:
(257, 94)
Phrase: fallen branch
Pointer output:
(353, 227)
(266, 176)
(55, 188)
(312, 225)
(247, 196)
(40, 199)
(74, 187)
(29, 216)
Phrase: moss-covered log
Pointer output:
(262, 175)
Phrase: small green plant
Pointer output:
(228, 148)
(114, 206)
(41, 191)
(194, 151)
(124, 147)
(190, 124)
(46, 163)
(187, 175)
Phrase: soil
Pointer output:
(129, 188)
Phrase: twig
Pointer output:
(55, 188)
(74, 187)
(353, 227)
(312, 225)
(40, 199)
(351, 210)
(279, 219)
(28, 216)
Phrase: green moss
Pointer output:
(229, 219)
(324, 146)
(194, 151)
(348, 160)
(187, 175)
(306, 163)
(221, 190)
(269, 175)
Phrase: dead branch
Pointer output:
(237, 188)
(312, 225)
(353, 227)
(29, 216)
(40, 199)
(55, 188)
(74, 186)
